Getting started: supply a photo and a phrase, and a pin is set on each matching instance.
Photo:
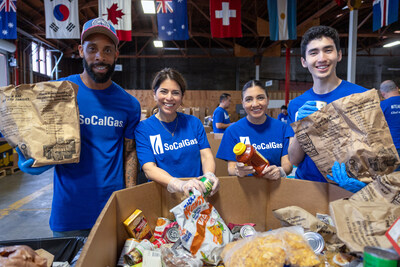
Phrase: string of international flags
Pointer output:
(62, 18)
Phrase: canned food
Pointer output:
(247, 231)
(208, 184)
(320, 104)
(172, 235)
(316, 241)
(135, 256)
(380, 257)
(130, 244)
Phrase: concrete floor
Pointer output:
(25, 203)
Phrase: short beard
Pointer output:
(99, 78)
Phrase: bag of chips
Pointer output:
(202, 230)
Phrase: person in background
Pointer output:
(108, 159)
(267, 134)
(173, 145)
(391, 109)
(283, 116)
(221, 119)
(320, 53)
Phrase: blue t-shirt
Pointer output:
(283, 118)
(82, 189)
(220, 115)
(307, 170)
(269, 138)
(391, 109)
(179, 155)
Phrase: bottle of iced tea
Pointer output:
(251, 157)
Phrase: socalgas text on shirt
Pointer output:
(267, 146)
(103, 121)
(178, 145)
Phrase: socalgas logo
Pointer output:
(158, 146)
(269, 145)
(101, 121)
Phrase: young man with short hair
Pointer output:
(221, 119)
(108, 118)
(320, 53)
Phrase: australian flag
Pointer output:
(172, 19)
(8, 19)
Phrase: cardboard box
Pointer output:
(239, 200)
(221, 166)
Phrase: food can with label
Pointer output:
(320, 104)
(315, 240)
(172, 235)
(380, 257)
(208, 184)
(130, 244)
(247, 231)
(135, 256)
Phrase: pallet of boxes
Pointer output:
(252, 221)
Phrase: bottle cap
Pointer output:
(239, 149)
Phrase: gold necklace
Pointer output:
(162, 124)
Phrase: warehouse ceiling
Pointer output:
(255, 42)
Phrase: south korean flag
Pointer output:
(62, 19)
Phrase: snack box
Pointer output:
(138, 227)
(239, 200)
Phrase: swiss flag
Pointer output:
(225, 18)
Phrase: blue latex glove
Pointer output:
(25, 165)
(307, 109)
(344, 181)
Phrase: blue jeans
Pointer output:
(73, 233)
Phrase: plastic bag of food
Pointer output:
(272, 248)
(178, 257)
(202, 230)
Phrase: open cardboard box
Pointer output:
(239, 200)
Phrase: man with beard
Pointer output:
(108, 118)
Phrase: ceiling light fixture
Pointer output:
(148, 7)
(392, 44)
(396, 31)
(158, 43)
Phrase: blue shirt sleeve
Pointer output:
(225, 150)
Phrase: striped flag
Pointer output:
(119, 14)
(385, 12)
(282, 19)
(62, 19)
(8, 19)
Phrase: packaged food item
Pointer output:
(135, 256)
(251, 157)
(159, 242)
(208, 184)
(247, 231)
(172, 234)
(316, 241)
(380, 257)
(152, 258)
(178, 257)
(137, 226)
(160, 226)
(235, 227)
(130, 244)
(277, 248)
(201, 228)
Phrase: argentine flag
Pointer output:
(384, 12)
(282, 19)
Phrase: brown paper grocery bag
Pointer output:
(42, 119)
(350, 130)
